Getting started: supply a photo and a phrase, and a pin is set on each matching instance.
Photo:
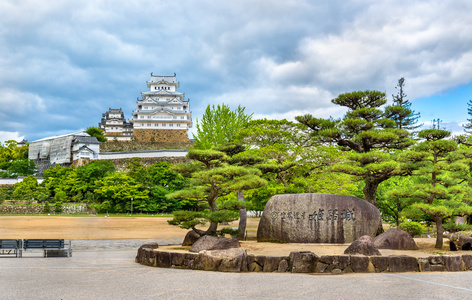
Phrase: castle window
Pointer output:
(171, 125)
(163, 125)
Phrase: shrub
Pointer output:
(58, 207)
(413, 228)
(46, 208)
(453, 227)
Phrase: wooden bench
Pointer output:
(50, 247)
(10, 247)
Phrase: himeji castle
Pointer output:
(162, 114)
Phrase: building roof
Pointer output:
(166, 78)
(86, 140)
(80, 133)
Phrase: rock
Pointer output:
(363, 245)
(335, 261)
(229, 260)
(302, 262)
(271, 263)
(190, 238)
(453, 263)
(208, 242)
(396, 239)
(435, 260)
(317, 218)
(163, 259)
(283, 266)
(359, 264)
(424, 264)
(145, 254)
(467, 259)
(403, 263)
(380, 263)
(459, 239)
(466, 246)
(452, 246)
(149, 246)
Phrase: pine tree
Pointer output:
(468, 126)
(368, 137)
(438, 190)
(400, 111)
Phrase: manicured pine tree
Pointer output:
(210, 177)
(367, 135)
(438, 190)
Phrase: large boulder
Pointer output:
(229, 260)
(396, 239)
(363, 245)
(208, 242)
(317, 218)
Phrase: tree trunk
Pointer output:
(242, 217)
(439, 233)
(370, 191)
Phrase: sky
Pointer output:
(64, 63)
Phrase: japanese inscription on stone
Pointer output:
(317, 218)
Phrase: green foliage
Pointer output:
(9, 152)
(118, 189)
(96, 132)
(366, 132)
(58, 206)
(211, 177)
(438, 191)
(415, 229)
(26, 189)
(219, 126)
(400, 112)
(21, 167)
(453, 227)
(46, 208)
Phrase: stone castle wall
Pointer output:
(161, 135)
(68, 209)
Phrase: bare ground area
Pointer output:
(101, 228)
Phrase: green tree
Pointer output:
(10, 152)
(437, 191)
(219, 126)
(368, 137)
(22, 167)
(212, 177)
(118, 189)
(96, 132)
(26, 189)
(468, 125)
(400, 111)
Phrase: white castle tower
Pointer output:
(162, 114)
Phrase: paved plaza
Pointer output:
(106, 270)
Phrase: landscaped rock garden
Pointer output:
(238, 260)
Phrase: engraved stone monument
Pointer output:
(317, 218)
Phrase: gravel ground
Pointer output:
(106, 270)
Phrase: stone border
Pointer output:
(307, 262)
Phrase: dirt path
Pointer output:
(101, 228)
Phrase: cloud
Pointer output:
(279, 59)
(6, 136)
